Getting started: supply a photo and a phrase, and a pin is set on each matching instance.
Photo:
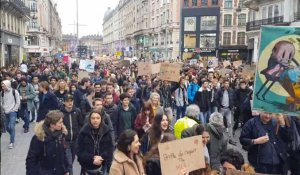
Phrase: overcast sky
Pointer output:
(91, 14)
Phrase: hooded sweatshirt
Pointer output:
(9, 103)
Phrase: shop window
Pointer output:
(208, 41)
(189, 40)
(226, 38)
(190, 24)
(208, 23)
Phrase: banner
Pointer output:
(193, 61)
(213, 62)
(88, 65)
(277, 87)
(170, 71)
(189, 155)
(237, 63)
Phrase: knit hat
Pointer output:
(7, 83)
(216, 119)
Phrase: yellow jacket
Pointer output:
(182, 124)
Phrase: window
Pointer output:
(190, 24)
(215, 2)
(227, 20)
(203, 3)
(270, 12)
(228, 4)
(264, 13)
(189, 40)
(194, 3)
(241, 38)
(208, 23)
(226, 38)
(186, 3)
(208, 41)
(276, 10)
(242, 20)
(241, 4)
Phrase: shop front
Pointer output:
(233, 53)
(10, 49)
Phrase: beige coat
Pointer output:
(123, 165)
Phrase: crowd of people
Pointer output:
(113, 120)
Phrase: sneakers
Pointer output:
(11, 146)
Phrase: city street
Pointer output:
(13, 160)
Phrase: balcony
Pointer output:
(255, 25)
(16, 6)
(32, 29)
(297, 16)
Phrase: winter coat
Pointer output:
(121, 118)
(30, 93)
(192, 90)
(73, 121)
(139, 123)
(265, 153)
(49, 103)
(110, 109)
(46, 155)
(88, 146)
(123, 165)
(219, 97)
(166, 96)
(181, 97)
(189, 132)
(203, 99)
(217, 144)
(182, 124)
(152, 166)
(60, 97)
(80, 100)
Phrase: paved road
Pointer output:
(13, 160)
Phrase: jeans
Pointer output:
(226, 112)
(33, 110)
(204, 117)
(24, 113)
(213, 109)
(180, 111)
(10, 124)
(70, 154)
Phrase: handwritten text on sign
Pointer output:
(170, 71)
(189, 155)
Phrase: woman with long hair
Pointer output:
(46, 153)
(155, 103)
(144, 119)
(61, 90)
(153, 135)
(95, 146)
(127, 158)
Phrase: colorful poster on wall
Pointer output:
(277, 82)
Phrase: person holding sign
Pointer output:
(127, 158)
(265, 143)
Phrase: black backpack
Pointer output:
(14, 94)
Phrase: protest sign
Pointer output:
(212, 62)
(276, 87)
(88, 65)
(225, 71)
(144, 68)
(65, 59)
(82, 74)
(248, 71)
(193, 61)
(156, 68)
(123, 63)
(226, 63)
(189, 155)
(170, 71)
(237, 63)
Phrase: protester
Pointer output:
(153, 135)
(60, 91)
(127, 157)
(155, 103)
(10, 103)
(266, 147)
(36, 102)
(190, 119)
(27, 95)
(73, 120)
(80, 96)
(109, 106)
(144, 119)
(95, 145)
(46, 154)
(48, 101)
(203, 100)
(181, 99)
(192, 90)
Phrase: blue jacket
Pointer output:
(269, 152)
(47, 103)
(192, 90)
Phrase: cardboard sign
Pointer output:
(185, 153)
(237, 172)
(224, 71)
(170, 71)
(123, 63)
(226, 63)
(213, 62)
(88, 65)
(237, 63)
(82, 74)
(193, 61)
(249, 71)
(144, 68)
(156, 68)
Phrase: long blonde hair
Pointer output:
(57, 86)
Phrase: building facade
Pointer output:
(69, 44)
(200, 28)
(14, 14)
(263, 12)
(44, 30)
(93, 43)
(233, 38)
(145, 29)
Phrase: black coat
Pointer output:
(73, 121)
(152, 166)
(203, 99)
(46, 155)
(87, 147)
(219, 96)
(264, 153)
(49, 103)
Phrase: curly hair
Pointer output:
(233, 157)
